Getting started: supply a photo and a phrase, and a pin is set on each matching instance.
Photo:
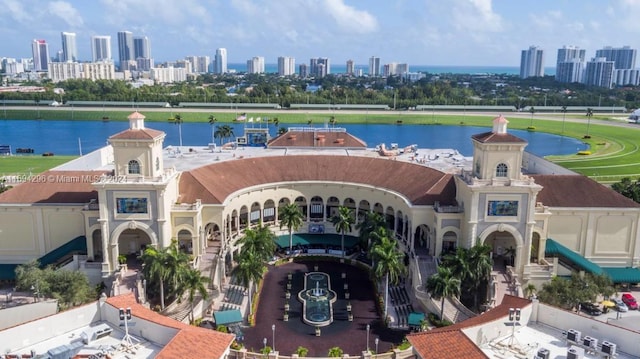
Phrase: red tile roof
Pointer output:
(317, 140)
(419, 184)
(189, 342)
(55, 187)
(430, 344)
(141, 134)
(491, 137)
(579, 191)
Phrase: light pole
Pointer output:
(264, 344)
(377, 341)
(368, 328)
(273, 336)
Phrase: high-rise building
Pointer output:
(286, 66)
(69, 48)
(40, 51)
(199, 64)
(599, 72)
(303, 70)
(567, 53)
(221, 61)
(141, 47)
(125, 46)
(570, 71)
(626, 77)
(350, 68)
(255, 65)
(101, 48)
(374, 66)
(319, 67)
(532, 62)
(623, 57)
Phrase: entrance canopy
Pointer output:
(225, 317)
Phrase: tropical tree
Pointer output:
(480, 266)
(166, 268)
(260, 241)
(388, 264)
(212, 121)
(372, 221)
(628, 188)
(589, 114)
(177, 119)
(343, 222)
(223, 132)
(563, 109)
(249, 269)
(335, 352)
(194, 283)
(292, 218)
(532, 110)
(443, 285)
(153, 268)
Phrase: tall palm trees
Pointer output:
(212, 121)
(443, 285)
(223, 132)
(177, 119)
(388, 264)
(564, 116)
(165, 267)
(291, 217)
(250, 269)
(532, 110)
(194, 282)
(343, 221)
(370, 224)
(472, 267)
(589, 115)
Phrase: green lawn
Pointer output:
(25, 164)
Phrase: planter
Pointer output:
(315, 267)
(350, 317)
(286, 307)
(346, 286)
(346, 295)
(288, 295)
(317, 331)
(289, 286)
(289, 276)
(344, 275)
(349, 307)
(286, 317)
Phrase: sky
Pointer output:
(417, 32)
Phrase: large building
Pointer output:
(599, 72)
(141, 47)
(101, 48)
(569, 53)
(255, 65)
(623, 57)
(125, 47)
(69, 48)
(570, 71)
(286, 66)
(532, 62)
(350, 69)
(138, 193)
(374, 66)
(319, 67)
(221, 61)
(40, 52)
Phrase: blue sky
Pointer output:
(425, 32)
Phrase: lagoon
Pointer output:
(68, 137)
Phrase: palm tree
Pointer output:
(226, 131)
(250, 268)
(343, 221)
(532, 110)
(564, 115)
(291, 217)
(177, 119)
(480, 266)
(371, 222)
(589, 115)
(260, 241)
(153, 268)
(212, 121)
(176, 263)
(388, 264)
(443, 285)
(276, 122)
(194, 282)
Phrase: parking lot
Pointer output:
(629, 320)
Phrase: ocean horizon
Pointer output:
(432, 69)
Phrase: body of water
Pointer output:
(433, 69)
(67, 137)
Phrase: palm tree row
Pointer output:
(170, 271)
(223, 132)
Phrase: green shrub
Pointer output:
(435, 320)
(302, 351)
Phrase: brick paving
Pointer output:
(351, 337)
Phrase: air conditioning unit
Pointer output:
(575, 353)
(543, 353)
(590, 342)
(574, 335)
(608, 348)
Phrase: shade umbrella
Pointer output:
(608, 303)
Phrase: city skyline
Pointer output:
(457, 32)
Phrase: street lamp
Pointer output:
(377, 341)
(264, 344)
(273, 336)
(368, 328)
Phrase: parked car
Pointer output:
(619, 305)
(590, 308)
(630, 301)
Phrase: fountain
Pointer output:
(317, 300)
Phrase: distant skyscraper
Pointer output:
(221, 61)
(141, 48)
(374, 66)
(125, 46)
(599, 72)
(101, 48)
(303, 70)
(626, 77)
(286, 66)
(350, 67)
(623, 57)
(40, 51)
(319, 67)
(255, 65)
(567, 53)
(570, 71)
(199, 64)
(532, 62)
(69, 48)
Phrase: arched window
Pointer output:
(501, 170)
(134, 167)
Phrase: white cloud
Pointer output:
(15, 9)
(350, 18)
(66, 12)
(476, 15)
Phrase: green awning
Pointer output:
(306, 239)
(224, 317)
(555, 249)
(623, 275)
(415, 319)
(8, 271)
